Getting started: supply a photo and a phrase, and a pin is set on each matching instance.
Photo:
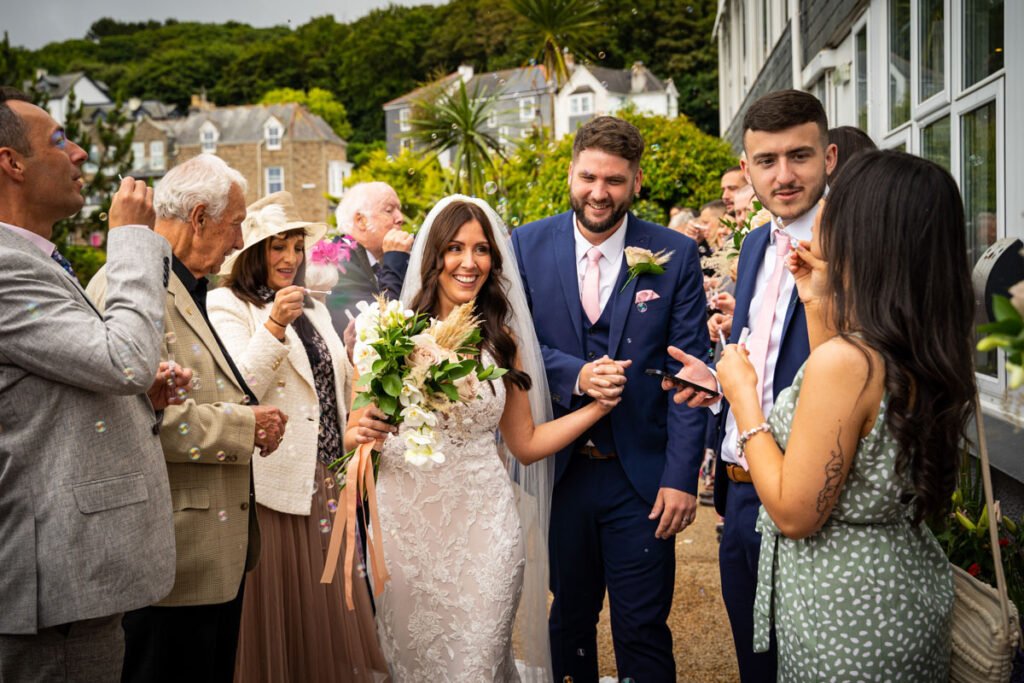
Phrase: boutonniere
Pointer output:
(642, 297)
(644, 261)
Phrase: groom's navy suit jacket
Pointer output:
(793, 350)
(659, 443)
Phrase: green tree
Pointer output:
(13, 64)
(681, 166)
(109, 142)
(560, 26)
(455, 121)
(419, 182)
(317, 100)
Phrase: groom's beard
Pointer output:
(579, 208)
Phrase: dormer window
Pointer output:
(208, 135)
(404, 117)
(272, 133)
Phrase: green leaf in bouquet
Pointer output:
(364, 380)
(378, 366)
(484, 374)
(388, 405)
(392, 384)
(362, 400)
(498, 373)
(1002, 309)
(460, 370)
(341, 463)
(450, 391)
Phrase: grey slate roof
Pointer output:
(528, 79)
(621, 80)
(154, 109)
(244, 124)
(59, 86)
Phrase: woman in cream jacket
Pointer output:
(293, 627)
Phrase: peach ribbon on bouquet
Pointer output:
(359, 480)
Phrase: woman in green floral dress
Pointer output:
(864, 445)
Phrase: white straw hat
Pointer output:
(274, 214)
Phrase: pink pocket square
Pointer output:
(645, 295)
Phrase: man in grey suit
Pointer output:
(85, 510)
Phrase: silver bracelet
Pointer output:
(741, 442)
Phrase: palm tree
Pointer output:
(563, 25)
(455, 120)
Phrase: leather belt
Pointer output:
(594, 454)
(737, 474)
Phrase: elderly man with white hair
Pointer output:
(208, 441)
(371, 214)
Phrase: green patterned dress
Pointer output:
(869, 596)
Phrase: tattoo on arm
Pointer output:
(833, 480)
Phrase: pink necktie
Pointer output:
(591, 296)
(759, 338)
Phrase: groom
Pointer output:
(625, 488)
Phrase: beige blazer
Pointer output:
(208, 444)
(280, 375)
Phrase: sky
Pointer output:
(33, 23)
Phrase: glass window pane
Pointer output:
(935, 142)
(978, 183)
(899, 62)
(862, 78)
(931, 52)
(983, 39)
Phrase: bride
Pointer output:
(462, 540)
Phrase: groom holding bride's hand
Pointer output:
(608, 293)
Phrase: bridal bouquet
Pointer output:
(415, 368)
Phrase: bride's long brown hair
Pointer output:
(490, 306)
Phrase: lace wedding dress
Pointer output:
(453, 544)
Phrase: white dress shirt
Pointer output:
(800, 229)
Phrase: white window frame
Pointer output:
(527, 108)
(208, 138)
(267, 181)
(404, 117)
(138, 160)
(157, 162)
(504, 136)
(919, 108)
(577, 101)
(273, 140)
(335, 178)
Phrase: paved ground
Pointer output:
(700, 627)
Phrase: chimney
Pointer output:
(465, 72)
(638, 79)
(199, 103)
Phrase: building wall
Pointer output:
(824, 21)
(304, 165)
(777, 74)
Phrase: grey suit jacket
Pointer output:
(85, 509)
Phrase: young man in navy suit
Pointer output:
(629, 485)
(788, 158)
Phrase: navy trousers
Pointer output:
(737, 561)
(601, 537)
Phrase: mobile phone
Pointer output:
(679, 382)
